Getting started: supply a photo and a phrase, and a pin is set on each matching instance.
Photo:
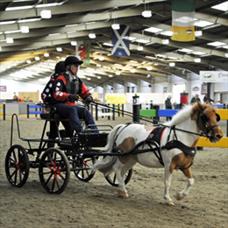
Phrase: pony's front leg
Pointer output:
(188, 173)
(168, 179)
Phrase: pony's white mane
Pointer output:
(181, 116)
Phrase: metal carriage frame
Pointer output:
(55, 162)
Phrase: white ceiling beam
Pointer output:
(73, 7)
(72, 19)
(180, 45)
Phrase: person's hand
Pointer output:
(73, 97)
(88, 100)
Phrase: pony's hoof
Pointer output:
(179, 196)
(170, 203)
(122, 194)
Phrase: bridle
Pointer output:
(204, 126)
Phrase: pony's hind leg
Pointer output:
(187, 172)
(120, 171)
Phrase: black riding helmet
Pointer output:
(70, 60)
(60, 67)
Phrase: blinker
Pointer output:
(218, 117)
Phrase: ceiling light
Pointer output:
(201, 23)
(45, 14)
(12, 31)
(198, 33)
(147, 13)
(9, 40)
(29, 20)
(172, 64)
(216, 44)
(74, 43)
(148, 76)
(153, 30)
(226, 55)
(18, 8)
(198, 53)
(115, 26)
(28, 61)
(140, 48)
(7, 22)
(165, 41)
(92, 35)
(149, 68)
(24, 29)
(143, 41)
(101, 58)
(226, 46)
(185, 50)
(37, 58)
(46, 54)
(131, 38)
(98, 77)
(110, 76)
(197, 60)
(49, 5)
(59, 49)
(166, 33)
(222, 6)
(108, 44)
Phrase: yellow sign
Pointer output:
(111, 98)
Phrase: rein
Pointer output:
(171, 127)
(182, 130)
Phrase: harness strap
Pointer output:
(190, 151)
(118, 133)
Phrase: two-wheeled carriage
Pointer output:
(56, 157)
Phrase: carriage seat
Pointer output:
(49, 113)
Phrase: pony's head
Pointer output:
(207, 121)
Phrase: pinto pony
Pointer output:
(171, 146)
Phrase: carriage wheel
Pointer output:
(17, 166)
(113, 181)
(82, 170)
(54, 171)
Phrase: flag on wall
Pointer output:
(120, 45)
(183, 13)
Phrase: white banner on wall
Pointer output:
(214, 76)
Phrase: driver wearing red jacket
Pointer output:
(66, 91)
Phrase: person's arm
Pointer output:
(84, 91)
(85, 94)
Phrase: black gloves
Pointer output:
(73, 97)
(88, 99)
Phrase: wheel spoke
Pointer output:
(53, 184)
(12, 174)
(63, 178)
(57, 183)
(15, 178)
(46, 182)
(114, 179)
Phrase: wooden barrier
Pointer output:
(3, 111)
(34, 110)
(204, 142)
